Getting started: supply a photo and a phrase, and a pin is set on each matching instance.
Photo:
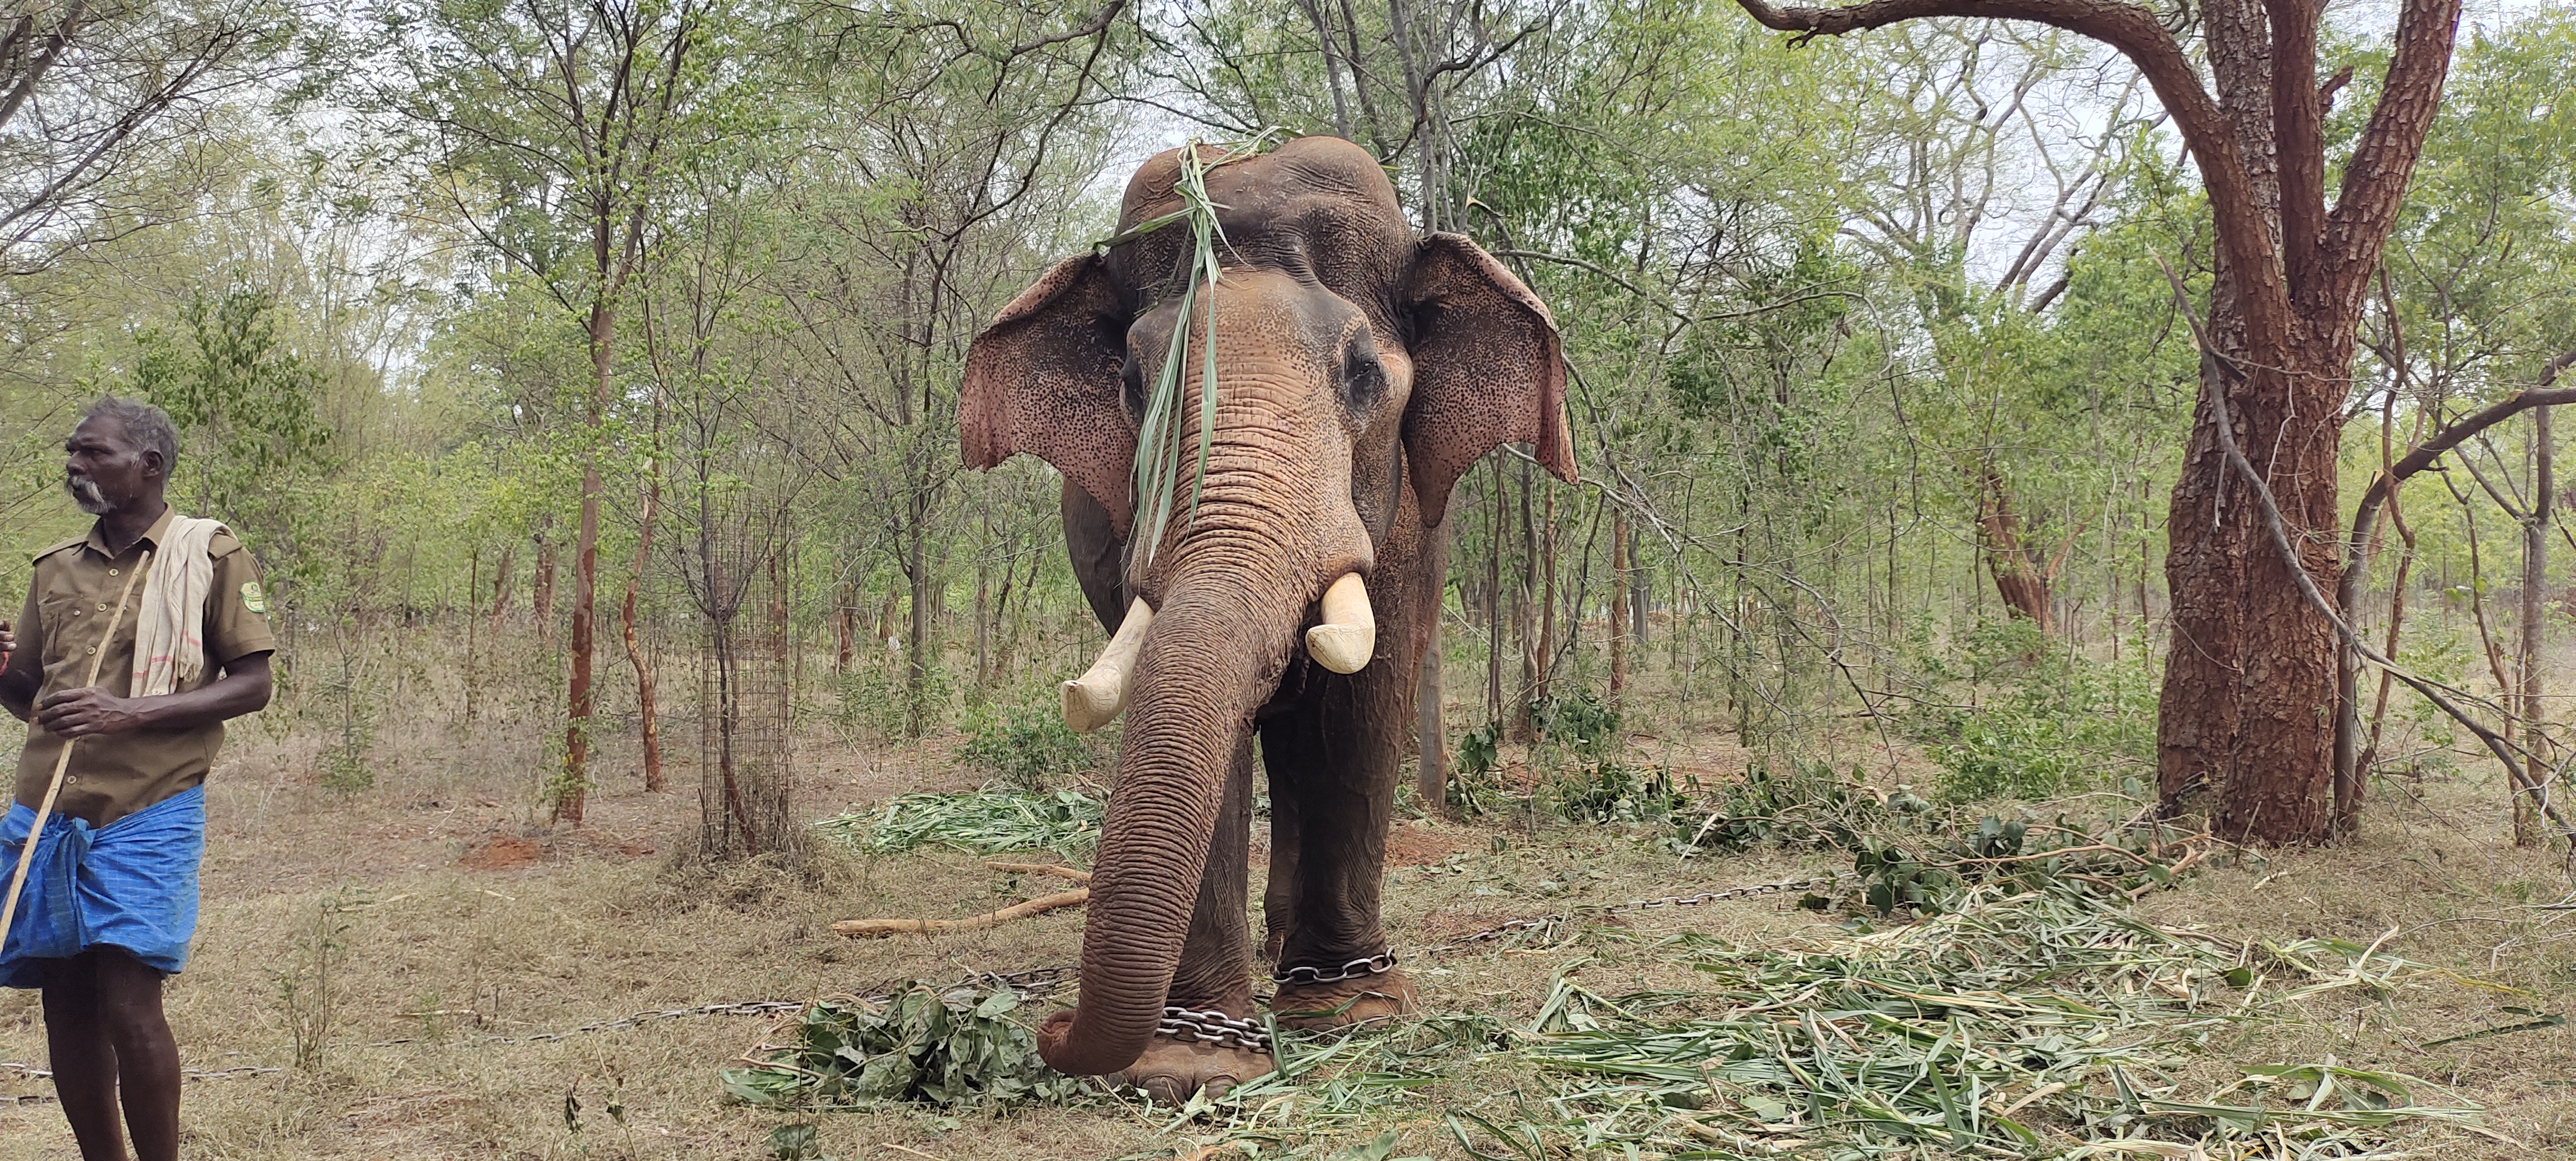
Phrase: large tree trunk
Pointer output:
(1547, 596)
(1525, 607)
(916, 563)
(1430, 717)
(1431, 733)
(1494, 606)
(2248, 706)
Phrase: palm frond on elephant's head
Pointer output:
(1158, 438)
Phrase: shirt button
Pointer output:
(102, 606)
(91, 649)
(111, 572)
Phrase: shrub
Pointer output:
(1807, 806)
(1578, 720)
(1480, 753)
(1608, 791)
(2063, 722)
(1027, 747)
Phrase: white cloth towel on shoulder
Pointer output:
(170, 628)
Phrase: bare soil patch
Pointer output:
(501, 852)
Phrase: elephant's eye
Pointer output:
(1132, 380)
(1363, 380)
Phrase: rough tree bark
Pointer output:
(2250, 697)
(1547, 595)
(2022, 579)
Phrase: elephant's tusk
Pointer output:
(1096, 697)
(1348, 636)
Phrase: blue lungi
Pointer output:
(131, 884)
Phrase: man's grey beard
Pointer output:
(85, 493)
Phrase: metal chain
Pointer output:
(1378, 964)
(34, 1073)
(1212, 1027)
(1519, 925)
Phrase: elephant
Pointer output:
(1361, 367)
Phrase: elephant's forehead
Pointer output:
(1319, 208)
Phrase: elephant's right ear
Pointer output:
(1045, 379)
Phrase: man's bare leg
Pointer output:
(108, 1038)
(84, 1060)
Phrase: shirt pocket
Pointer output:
(69, 631)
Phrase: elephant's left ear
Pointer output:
(1488, 369)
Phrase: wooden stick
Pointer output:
(63, 761)
(862, 928)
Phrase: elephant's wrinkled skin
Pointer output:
(1361, 369)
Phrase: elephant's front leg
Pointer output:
(1333, 769)
(1214, 975)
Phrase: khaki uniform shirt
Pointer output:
(69, 602)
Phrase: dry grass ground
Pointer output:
(459, 921)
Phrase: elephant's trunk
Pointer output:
(1216, 650)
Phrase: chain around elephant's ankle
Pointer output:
(1212, 1027)
(1378, 964)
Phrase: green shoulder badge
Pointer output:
(253, 599)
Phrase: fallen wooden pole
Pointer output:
(863, 928)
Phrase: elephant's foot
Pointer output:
(1173, 1070)
(1341, 1003)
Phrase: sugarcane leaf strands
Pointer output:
(1158, 438)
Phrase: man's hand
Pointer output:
(80, 713)
(8, 638)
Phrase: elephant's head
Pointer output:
(1360, 369)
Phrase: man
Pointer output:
(108, 910)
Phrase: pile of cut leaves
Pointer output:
(949, 1049)
(983, 822)
(2016, 1022)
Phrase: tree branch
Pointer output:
(2374, 181)
(2540, 394)
(2207, 129)
(62, 34)
(2298, 127)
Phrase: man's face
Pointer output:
(104, 470)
